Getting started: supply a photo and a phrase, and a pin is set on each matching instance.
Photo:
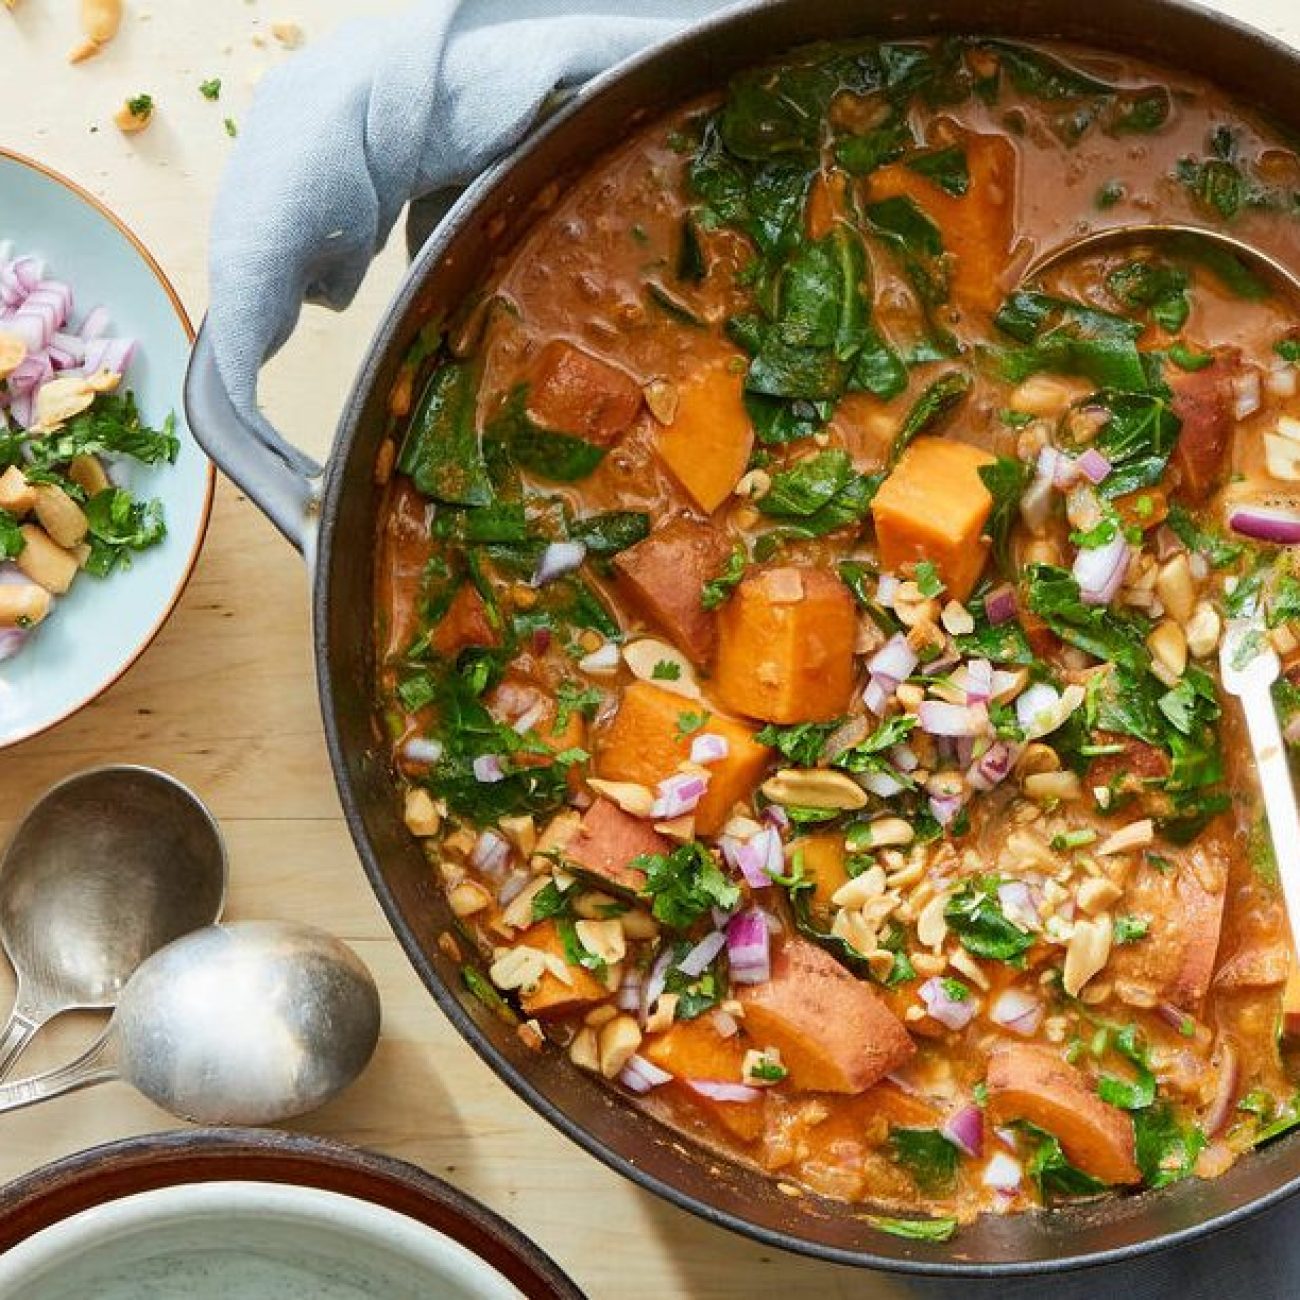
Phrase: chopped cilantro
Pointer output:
(716, 590)
(571, 698)
(1129, 929)
(688, 723)
(927, 579)
(210, 89)
(684, 884)
(928, 1156)
(976, 917)
(666, 670)
(943, 1229)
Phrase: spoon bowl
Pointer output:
(1189, 236)
(250, 1022)
(108, 867)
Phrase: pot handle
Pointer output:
(287, 493)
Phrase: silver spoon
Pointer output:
(1134, 233)
(246, 1023)
(1248, 667)
(107, 868)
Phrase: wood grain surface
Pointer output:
(225, 698)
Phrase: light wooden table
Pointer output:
(225, 698)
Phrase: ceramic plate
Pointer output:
(257, 1214)
(101, 627)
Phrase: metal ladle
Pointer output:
(1133, 233)
(108, 867)
(246, 1023)
(1248, 665)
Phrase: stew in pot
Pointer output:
(798, 635)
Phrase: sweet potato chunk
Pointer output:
(1203, 401)
(663, 576)
(1174, 960)
(824, 864)
(570, 391)
(833, 1031)
(933, 506)
(707, 445)
(785, 646)
(643, 742)
(693, 1049)
(607, 842)
(552, 996)
(465, 624)
(977, 225)
(1034, 1083)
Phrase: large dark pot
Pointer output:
(326, 517)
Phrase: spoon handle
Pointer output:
(1274, 774)
(20, 1031)
(93, 1066)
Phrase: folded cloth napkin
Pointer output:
(339, 139)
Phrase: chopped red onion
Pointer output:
(1035, 708)
(655, 980)
(758, 859)
(1000, 605)
(716, 1091)
(1065, 472)
(1017, 902)
(679, 795)
(1094, 466)
(1266, 524)
(894, 660)
(630, 990)
(526, 721)
(491, 852)
(1003, 1173)
(11, 641)
(725, 1023)
(1246, 396)
(979, 681)
(749, 947)
(944, 807)
(992, 767)
(876, 696)
(699, 959)
(881, 784)
(558, 559)
(513, 885)
(947, 1010)
(964, 1128)
(1036, 502)
(421, 749)
(488, 769)
(939, 718)
(1099, 570)
(709, 747)
(640, 1075)
(1018, 1011)
(904, 758)
(887, 590)
(778, 816)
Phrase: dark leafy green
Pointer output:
(928, 1156)
(1155, 285)
(937, 1230)
(945, 167)
(1138, 437)
(1053, 1173)
(936, 402)
(1053, 594)
(1166, 1150)
(11, 539)
(717, 589)
(1006, 480)
(975, 915)
(443, 452)
(819, 494)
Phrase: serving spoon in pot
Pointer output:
(1248, 664)
(1188, 236)
(108, 867)
(251, 1022)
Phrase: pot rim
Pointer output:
(403, 304)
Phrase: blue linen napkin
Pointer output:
(340, 138)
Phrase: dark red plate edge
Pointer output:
(57, 1191)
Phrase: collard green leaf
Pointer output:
(935, 403)
(443, 453)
